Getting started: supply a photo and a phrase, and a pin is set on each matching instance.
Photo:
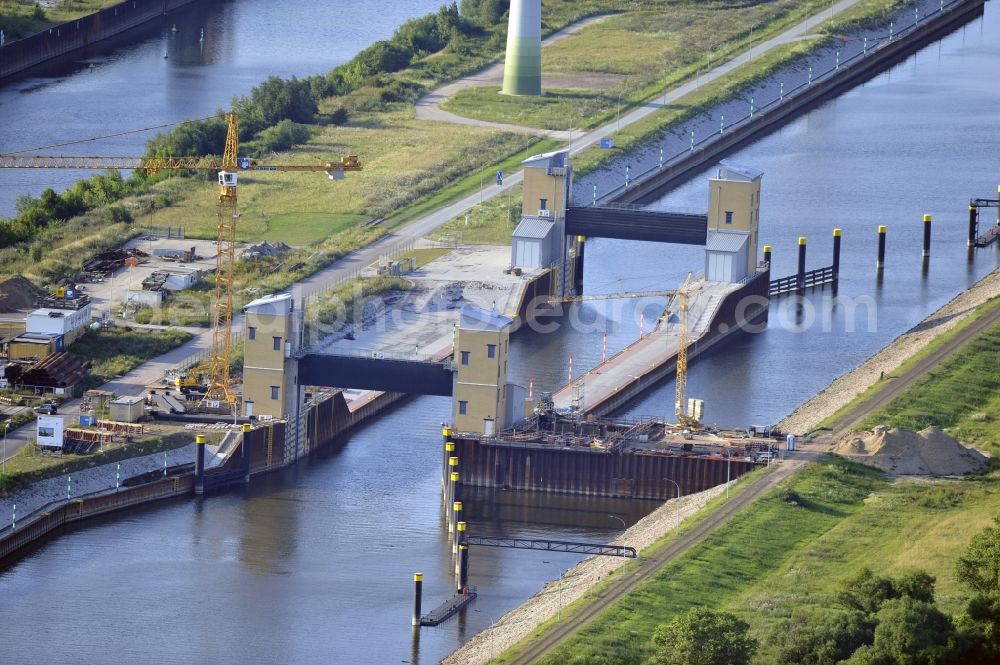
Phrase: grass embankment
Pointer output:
(116, 351)
(904, 367)
(30, 465)
(20, 18)
(792, 549)
(575, 57)
(962, 397)
(619, 62)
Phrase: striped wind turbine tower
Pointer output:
(522, 72)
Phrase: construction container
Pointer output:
(127, 409)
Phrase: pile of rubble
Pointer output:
(104, 264)
(264, 250)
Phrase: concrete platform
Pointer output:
(635, 367)
(447, 609)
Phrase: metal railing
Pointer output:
(869, 47)
(810, 279)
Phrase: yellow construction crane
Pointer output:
(219, 386)
(680, 403)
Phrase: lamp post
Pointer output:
(3, 472)
(729, 465)
(624, 526)
(677, 513)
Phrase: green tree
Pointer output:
(703, 637)
(979, 565)
(810, 642)
(866, 592)
(913, 632)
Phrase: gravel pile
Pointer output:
(903, 452)
(576, 582)
(850, 385)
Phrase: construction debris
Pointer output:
(264, 250)
(104, 264)
(903, 452)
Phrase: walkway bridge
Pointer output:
(376, 370)
(629, 222)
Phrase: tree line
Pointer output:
(278, 113)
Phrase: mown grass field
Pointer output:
(115, 351)
(625, 57)
(792, 549)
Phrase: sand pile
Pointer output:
(905, 452)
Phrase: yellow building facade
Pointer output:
(480, 393)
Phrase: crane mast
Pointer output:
(219, 382)
(680, 401)
(219, 386)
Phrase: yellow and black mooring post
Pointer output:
(927, 238)
(767, 255)
(973, 224)
(246, 453)
(449, 450)
(460, 527)
(418, 589)
(800, 278)
(463, 567)
(836, 256)
(456, 509)
(449, 492)
(199, 464)
(880, 262)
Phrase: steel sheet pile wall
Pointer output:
(77, 510)
(590, 472)
(75, 35)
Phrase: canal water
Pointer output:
(315, 565)
(133, 86)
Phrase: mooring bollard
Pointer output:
(418, 589)
(800, 280)
(456, 508)
(767, 254)
(199, 464)
(927, 237)
(452, 469)
(836, 255)
(461, 536)
(973, 222)
(449, 449)
(456, 485)
(880, 262)
(463, 567)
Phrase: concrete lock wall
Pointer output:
(75, 35)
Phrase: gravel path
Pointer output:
(850, 385)
(576, 582)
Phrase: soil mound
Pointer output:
(929, 452)
(17, 294)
